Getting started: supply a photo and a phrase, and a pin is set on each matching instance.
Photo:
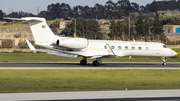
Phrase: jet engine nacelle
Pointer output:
(74, 43)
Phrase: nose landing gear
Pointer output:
(164, 61)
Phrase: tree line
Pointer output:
(89, 28)
(99, 11)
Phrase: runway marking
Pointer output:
(48, 96)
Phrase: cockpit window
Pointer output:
(164, 46)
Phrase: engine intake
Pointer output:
(74, 43)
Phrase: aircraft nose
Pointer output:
(173, 53)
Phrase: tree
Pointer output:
(58, 10)
(157, 25)
(140, 25)
(112, 10)
(126, 28)
(100, 11)
(20, 14)
(146, 28)
(132, 32)
(113, 28)
(120, 29)
(85, 28)
(1, 15)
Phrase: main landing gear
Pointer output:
(83, 61)
(97, 62)
(164, 61)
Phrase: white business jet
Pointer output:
(93, 49)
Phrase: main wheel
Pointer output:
(95, 63)
(83, 62)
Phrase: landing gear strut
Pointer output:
(164, 61)
(97, 62)
(83, 61)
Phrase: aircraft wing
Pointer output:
(50, 52)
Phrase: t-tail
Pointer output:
(40, 30)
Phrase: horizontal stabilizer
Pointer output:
(12, 18)
(26, 19)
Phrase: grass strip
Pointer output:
(16, 25)
(15, 81)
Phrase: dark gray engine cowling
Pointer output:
(74, 43)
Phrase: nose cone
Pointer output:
(173, 53)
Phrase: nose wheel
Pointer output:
(164, 64)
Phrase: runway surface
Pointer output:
(76, 65)
(132, 95)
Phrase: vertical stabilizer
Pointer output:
(40, 30)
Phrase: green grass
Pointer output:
(12, 81)
(16, 25)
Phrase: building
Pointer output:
(64, 24)
(134, 15)
(172, 32)
(170, 12)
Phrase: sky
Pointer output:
(31, 6)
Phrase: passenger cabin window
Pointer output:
(112, 47)
(119, 47)
(126, 47)
(165, 46)
(140, 48)
(133, 48)
(147, 48)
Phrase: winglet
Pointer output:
(30, 45)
